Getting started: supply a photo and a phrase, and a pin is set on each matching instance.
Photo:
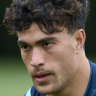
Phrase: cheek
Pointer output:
(64, 72)
(64, 63)
(25, 59)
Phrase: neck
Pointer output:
(78, 85)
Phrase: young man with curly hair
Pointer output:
(51, 37)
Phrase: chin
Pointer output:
(47, 91)
(44, 91)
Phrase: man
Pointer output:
(51, 37)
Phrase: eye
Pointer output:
(47, 44)
(25, 47)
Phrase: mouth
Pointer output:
(41, 76)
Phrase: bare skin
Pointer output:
(57, 63)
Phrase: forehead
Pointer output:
(34, 34)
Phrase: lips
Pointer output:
(41, 76)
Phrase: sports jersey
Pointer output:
(91, 89)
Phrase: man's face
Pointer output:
(50, 59)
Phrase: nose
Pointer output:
(37, 58)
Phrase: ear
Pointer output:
(80, 38)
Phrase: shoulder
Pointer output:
(92, 87)
(33, 92)
(28, 93)
(93, 67)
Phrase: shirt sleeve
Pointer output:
(33, 92)
(28, 93)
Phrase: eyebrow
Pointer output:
(20, 42)
(45, 40)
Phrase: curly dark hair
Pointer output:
(71, 14)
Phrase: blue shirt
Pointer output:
(91, 89)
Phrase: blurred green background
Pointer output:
(14, 78)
